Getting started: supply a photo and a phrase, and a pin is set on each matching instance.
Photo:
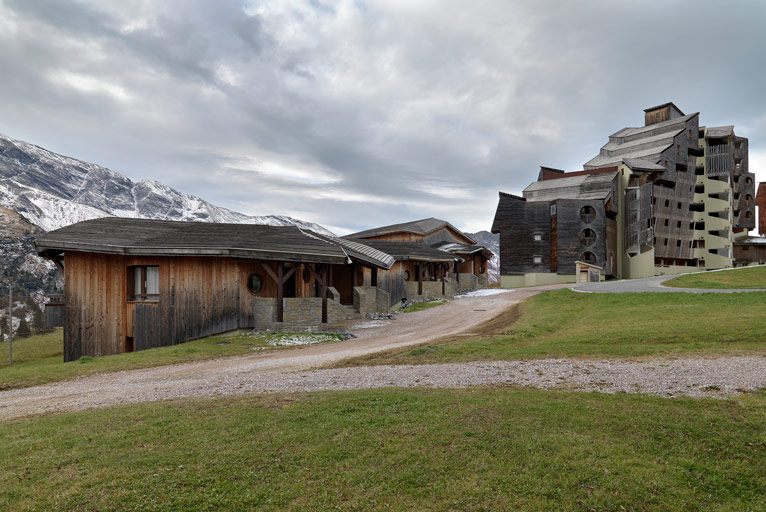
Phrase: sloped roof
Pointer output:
(579, 186)
(640, 164)
(642, 142)
(114, 235)
(456, 248)
(719, 132)
(420, 227)
(416, 251)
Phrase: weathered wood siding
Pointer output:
(570, 226)
(518, 221)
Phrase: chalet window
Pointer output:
(254, 283)
(144, 283)
(587, 214)
(537, 260)
(538, 237)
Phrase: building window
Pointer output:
(588, 257)
(587, 214)
(144, 283)
(537, 260)
(678, 224)
(254, 283)
(553, 210)
(407, 275)
(667, 203)
(538, 237)
(587, 236)
(679, 206)
(678, 243)
(666, 221)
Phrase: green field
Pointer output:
(479, 449)
(748, 278)
(39, 359)
(621, 325)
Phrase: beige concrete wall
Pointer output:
(640, 265)
(536, 279)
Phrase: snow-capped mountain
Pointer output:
(492, 242)
(52, 191)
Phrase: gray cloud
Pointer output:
(355, 113)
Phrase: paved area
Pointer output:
(649, 284)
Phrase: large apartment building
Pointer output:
(667, 197)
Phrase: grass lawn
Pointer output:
(479, 449)
(563, 323)
(420, 306)
(740, 278)
(39, 359)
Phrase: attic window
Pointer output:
(144, 283)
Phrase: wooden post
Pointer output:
(10, 324)
(420, 282)
(280, 293)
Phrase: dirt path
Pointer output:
(258, 371)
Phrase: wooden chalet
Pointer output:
(433, 258)
(132, 284)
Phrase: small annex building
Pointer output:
(433, 259)
(132, 284)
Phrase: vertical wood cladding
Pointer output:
(571, 247)
(198, 297)
(673, 195)
(519, 223)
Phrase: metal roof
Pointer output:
(420, 227)
(456, 248)
(114, 235)
(581, 186)
(416, 251)
(639, 164)
(753, 240)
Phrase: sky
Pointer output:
(356, 113)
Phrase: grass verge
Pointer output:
(563, 323)
(749, 278)
(39, 359)
(480, 449)
(420, 306)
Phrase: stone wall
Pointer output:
(265, 312)
(370, 299)
(432, 289)
(302, 312)
(467, 283)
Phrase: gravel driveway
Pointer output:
(293, 370)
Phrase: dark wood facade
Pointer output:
(198, 297)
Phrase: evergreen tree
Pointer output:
(23, 330)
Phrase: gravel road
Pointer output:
(648, 284)
(295, 370)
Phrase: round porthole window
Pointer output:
(587, 214)
(254, 283)
(406, 275)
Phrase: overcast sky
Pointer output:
(361, 113)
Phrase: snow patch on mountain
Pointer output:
(492, 242)
(53, 191)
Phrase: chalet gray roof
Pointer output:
(640, 164)
(456, 248)
(719, 132)
(114, 235)
(362, 252)
(420, 227)
(581, 186)
(643, 142)
(416, 251)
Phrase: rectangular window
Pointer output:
(538, 237)
(144, 283)
(537, 260)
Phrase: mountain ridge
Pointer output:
(51, 190)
